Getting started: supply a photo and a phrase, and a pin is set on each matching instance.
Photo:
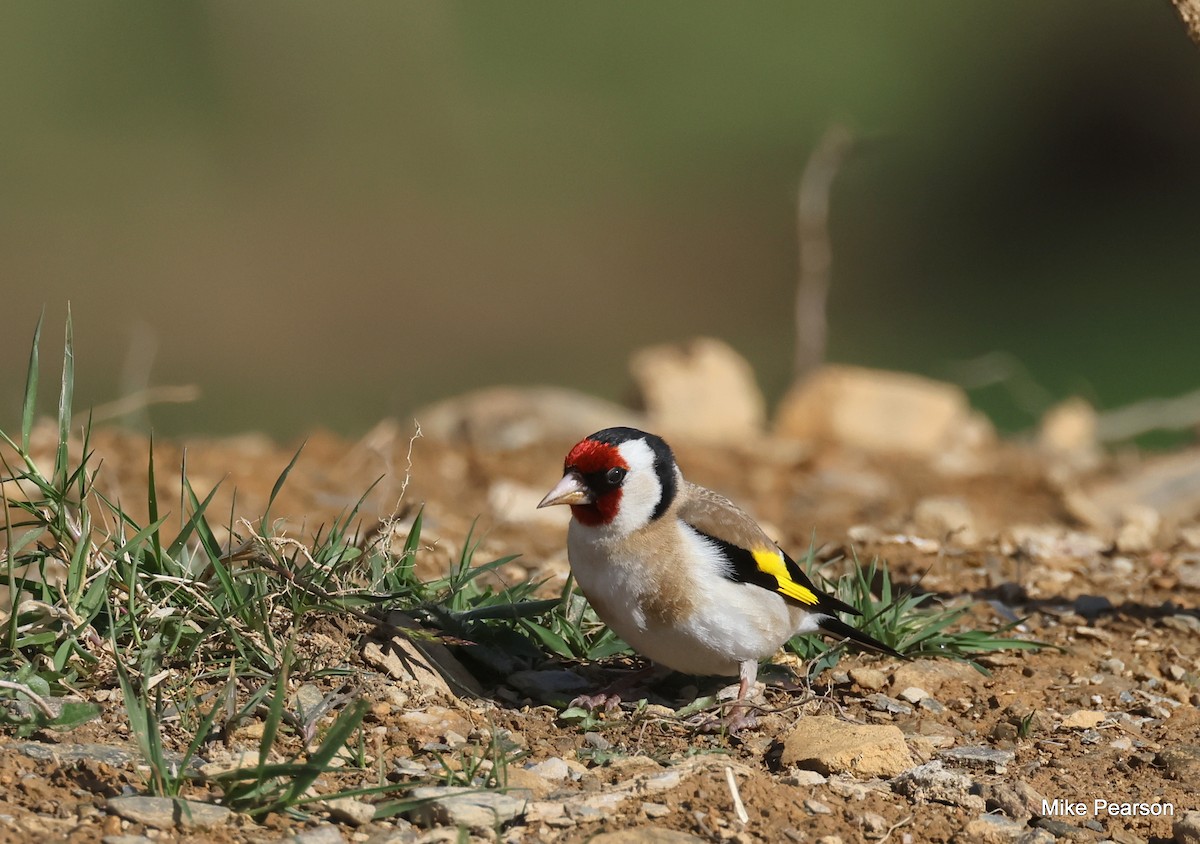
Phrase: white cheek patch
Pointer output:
(641, 491)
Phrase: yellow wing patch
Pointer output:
(770, 561)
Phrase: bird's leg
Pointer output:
(740, 715)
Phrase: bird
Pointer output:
(686, 577)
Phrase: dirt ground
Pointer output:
(1111, 716)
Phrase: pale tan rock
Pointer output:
(1068, 432)
(526, 779)
(503, 418)
(1083, 719)
(994, 829)
(824, 744)
(871, 679)
(350, 811)
(1140, 525)
(875, 411)
(433, 723)
(942, 517)
(702, 389)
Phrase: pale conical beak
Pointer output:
(570, 490)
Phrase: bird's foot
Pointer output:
(739, 716)
(602, 702)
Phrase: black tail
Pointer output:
(836, 627)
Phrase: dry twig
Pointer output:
(816, 252)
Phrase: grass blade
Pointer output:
(65, 397)
(29, 405)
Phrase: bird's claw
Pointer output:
(598, 702)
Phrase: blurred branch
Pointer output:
(816, 252)
(1174, 414)
(1189, 13)
(143, 399)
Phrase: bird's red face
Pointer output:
(602, 469)
(619, 479)
(591, 484)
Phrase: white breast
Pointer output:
(729, 622)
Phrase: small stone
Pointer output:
(932, 706)
(307, 699)
(979, 757)
(585, 813)
(1182, 623)
(816, 807)
(914, 694)
(803, 776)
(323, 834)
(524, 778)
(883, 703)
(351, 811)
(432, 723)
(655, 810)
(1068, 432)
(467, 807)
(1139, 529)
(1018, 800)
(702, 389)
(554, 769)
(993, 829)
(1083, 719)
(932, 783)
(1186, 829)
(597, 741)
(827, 745)
(874, 823)
(1113, 666)
(1181, 762)
(870, 679)
(168, 812)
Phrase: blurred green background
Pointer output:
(322, 214)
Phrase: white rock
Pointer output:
(875, 411)
(701, 389)
(553, 769)
(351, 811)
(1068, 432)
(469, 807)
(1186, 829)
(1139, 529)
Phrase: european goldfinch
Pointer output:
(679, 572)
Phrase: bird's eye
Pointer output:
(614, 476)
